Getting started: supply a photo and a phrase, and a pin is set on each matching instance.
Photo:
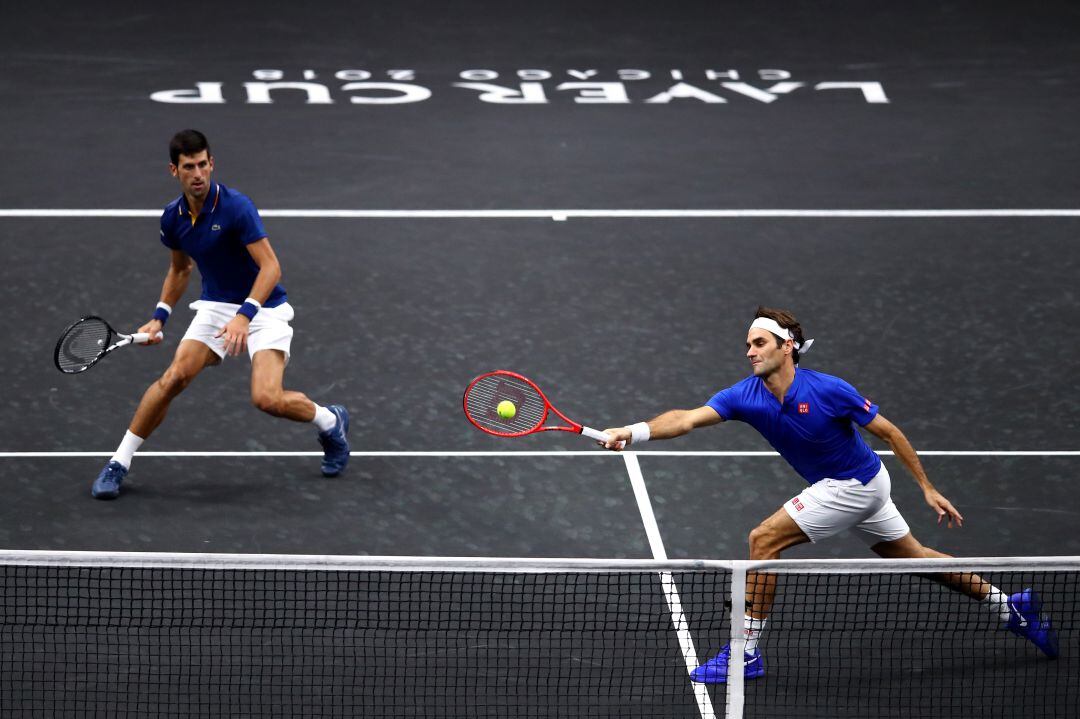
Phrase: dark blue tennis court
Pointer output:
(777, 119)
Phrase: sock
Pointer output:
(127, 448)
(325, 420)
(753, 629)
(997, 601)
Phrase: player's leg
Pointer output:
(268, 392)
(907, 547)
(767, 541)
(1020, 612)
(269, 395)
(191, 358)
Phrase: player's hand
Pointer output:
(153, 328)
(235, 335)
(944, 508)
(620, 437)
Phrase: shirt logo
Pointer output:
(866, 405)
(797, 504)
(804, 408)
(215, 228)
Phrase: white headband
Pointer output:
(785, 334)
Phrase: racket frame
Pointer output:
(136, 338)
(571, 425)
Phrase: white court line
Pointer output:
(562, 215)
(526, 453)
(667, 582)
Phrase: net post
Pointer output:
(735, 679)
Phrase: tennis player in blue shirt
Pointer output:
(810, 418)
(242, 307)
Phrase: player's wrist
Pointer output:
(161, 313)
(249, 309)
(639, 433)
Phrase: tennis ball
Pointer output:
(506, 409)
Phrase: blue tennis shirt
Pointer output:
(218, 241)
(814, 429)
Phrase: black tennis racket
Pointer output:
(84, 343)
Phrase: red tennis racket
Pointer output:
(483, 395)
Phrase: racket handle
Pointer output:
(141, 338)
(598, 435)
(595, 434)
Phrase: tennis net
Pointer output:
(192, 635)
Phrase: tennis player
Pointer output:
(809, 418)
(242, 307)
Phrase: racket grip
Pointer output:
(598, 435)
(141, 338)
(595, 434)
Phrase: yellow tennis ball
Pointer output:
(506, 409)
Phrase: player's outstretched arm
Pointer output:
(902, 448)
(172, 289)
(673, 423)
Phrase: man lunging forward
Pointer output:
(242, 306)
(809, 418)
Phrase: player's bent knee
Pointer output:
(761, 542)
(175, 380)
(269, 402)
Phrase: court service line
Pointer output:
(523, 453)
(565, 214)
(667, 582)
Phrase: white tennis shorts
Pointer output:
(270, 330)
(830, 506)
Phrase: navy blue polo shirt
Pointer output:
(217, 240)
(814, 429)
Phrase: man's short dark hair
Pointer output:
(786, 320)
(187, 142)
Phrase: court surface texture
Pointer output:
(902, 177)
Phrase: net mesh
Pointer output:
(81, 344)
(483, 397)
(903, 645)
(546, 641)
(122, 642)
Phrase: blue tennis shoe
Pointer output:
(715, 670)
(107, 484)
(335, 444)
(1026, 620)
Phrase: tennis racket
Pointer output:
(84, 343)
(483, 395)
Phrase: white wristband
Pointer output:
(165, 307)
(639, 432)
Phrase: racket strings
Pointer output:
(483, 398)
(82, 344)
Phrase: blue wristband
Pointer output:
(249, 309)
(161, 313)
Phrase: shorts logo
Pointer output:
(215, 228)
(804, 408)
(797, 504)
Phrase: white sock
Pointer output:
(324, 418)
(752, 630)
(997, 601)
(127, 449)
